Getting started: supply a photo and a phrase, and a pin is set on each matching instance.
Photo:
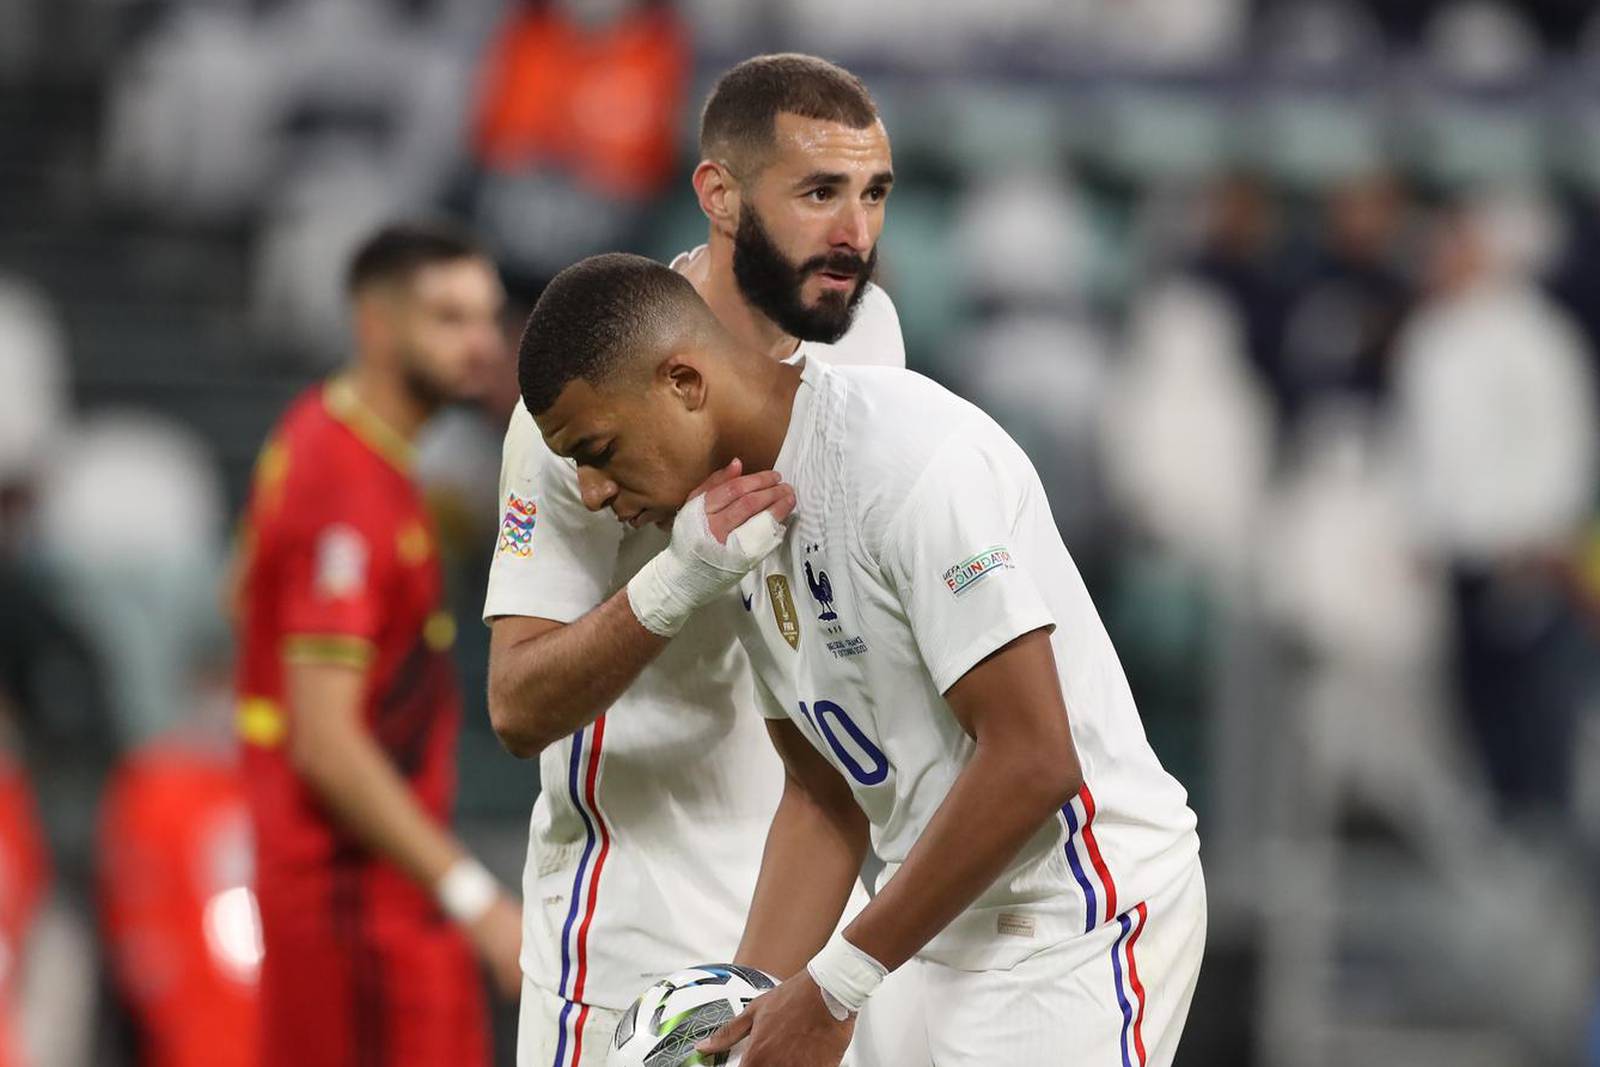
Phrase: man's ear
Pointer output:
(679, 375)
(718, 192)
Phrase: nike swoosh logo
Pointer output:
(747, 600)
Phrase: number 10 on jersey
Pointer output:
(867, 765)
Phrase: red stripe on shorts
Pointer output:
(1095, 858)
(592, 778)
(1138, 988)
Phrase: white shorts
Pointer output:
(1115, 997)
(891, 1030)
(553, 1032)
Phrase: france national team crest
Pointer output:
(840, 646)
(516, 528)
(821, 592)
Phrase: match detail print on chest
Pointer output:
(828, 588)
(808, 592)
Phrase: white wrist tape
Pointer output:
(756, 537)
(467, 891)
(695, 568)
(846, 975)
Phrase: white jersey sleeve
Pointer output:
(954, 553)
(553, 557)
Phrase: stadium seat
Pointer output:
(33, 379)
(310, 227)
(131, 518)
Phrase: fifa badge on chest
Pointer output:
(783, 609)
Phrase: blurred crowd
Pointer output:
(1295, 305)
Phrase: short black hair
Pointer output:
(740, 117)
(594, 313)
(400, 249)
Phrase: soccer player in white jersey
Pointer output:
(646, 840)
(934, 676)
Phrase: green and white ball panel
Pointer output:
(660, 1029)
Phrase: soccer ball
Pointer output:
(661, 1027)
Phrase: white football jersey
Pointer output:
(646, 838)
(923, 542)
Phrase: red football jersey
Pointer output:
(339, 565)
(174, 856)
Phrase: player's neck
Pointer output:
(715, 283)
(386, 397)
(757, 428)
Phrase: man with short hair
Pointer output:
(348, 705)
(932, 669)
(646, 839)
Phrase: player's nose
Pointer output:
(596, 489)
(852, 228)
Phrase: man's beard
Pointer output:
(772, 284)
(425, 390)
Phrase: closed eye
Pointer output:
(589, 458)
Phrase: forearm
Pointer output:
(995, 805)
(366, 796)
(546, 687)
(810, 865)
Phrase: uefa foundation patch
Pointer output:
(974, 569)
(516, 528)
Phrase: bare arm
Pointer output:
(334, 754)
(342, 763)
(1025, 768)
(548, 679)
(812, 859)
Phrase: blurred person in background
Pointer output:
(1496, 402)
(1341, 326)
(146, 601)
(59, 730)
(348, 704)
(1241, 256)
(659, 785)
(23, 892)
(1574, 278)
(51, 675)
(576, 128)
(177, 900)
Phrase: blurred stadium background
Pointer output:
(1296, 306)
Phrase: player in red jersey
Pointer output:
(348, 705)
